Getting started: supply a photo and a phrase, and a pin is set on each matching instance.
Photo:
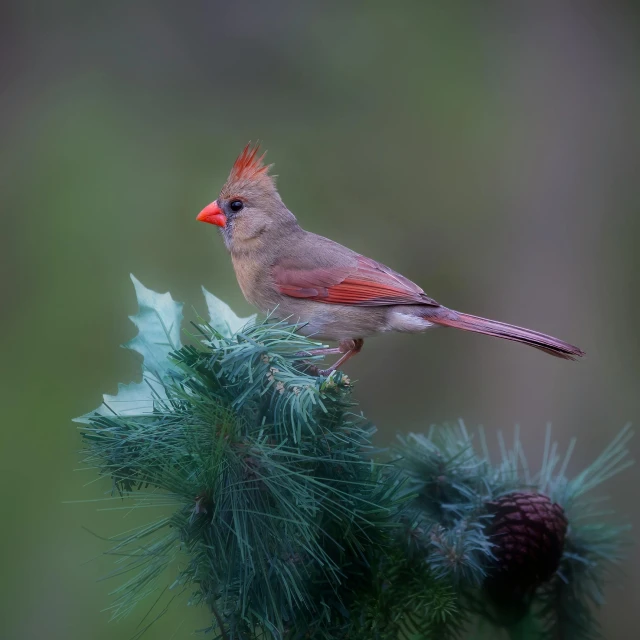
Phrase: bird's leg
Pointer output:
(349, 348)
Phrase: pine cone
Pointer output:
(528, 532)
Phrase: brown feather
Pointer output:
(365, 282)
(542, 341)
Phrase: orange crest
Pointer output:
(248, 165)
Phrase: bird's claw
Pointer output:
(307, 367)
(348, 349)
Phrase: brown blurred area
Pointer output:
(489, 151)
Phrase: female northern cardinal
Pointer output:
(335, 293)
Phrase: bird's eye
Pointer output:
(236, 205)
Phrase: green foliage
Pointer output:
(452, 477)
(593, 548)
(405, 599)
(277, 515)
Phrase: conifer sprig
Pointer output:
(278, 514)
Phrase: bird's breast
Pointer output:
(254, 282)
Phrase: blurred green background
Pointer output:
(489, 151)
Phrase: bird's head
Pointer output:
(249, 205)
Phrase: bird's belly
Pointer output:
(334, 322)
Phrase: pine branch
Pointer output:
(287, 523)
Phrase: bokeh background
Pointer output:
(488, 150)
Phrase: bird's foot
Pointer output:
(308, 367)
(304, 366)
(320, 352)
(349, 348)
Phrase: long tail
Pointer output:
(548, 344)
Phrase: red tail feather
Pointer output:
(548, 344)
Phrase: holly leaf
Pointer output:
(222, 318)
(135, 398)
(158, 321)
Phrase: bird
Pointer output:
(330, 292)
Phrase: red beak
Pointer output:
(213, 214)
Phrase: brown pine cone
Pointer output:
(528, 531)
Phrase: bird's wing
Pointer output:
(362, 282)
